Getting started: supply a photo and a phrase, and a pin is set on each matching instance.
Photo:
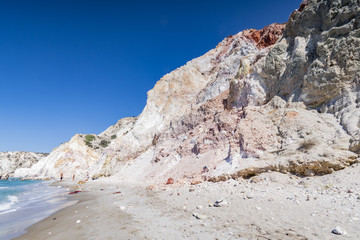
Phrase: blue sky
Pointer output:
(70, 67)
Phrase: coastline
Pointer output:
(90, 217)
(269, 206)
(30, 202)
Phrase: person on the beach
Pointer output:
(61, 176)
(74, 177)
(87, 176)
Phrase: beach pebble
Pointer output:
(78, 221)
(220, 203)
(338, 231)
(249, 196)
(49, 233)
(122, 207)
(199, 207)
(170, 181)
(199, 216)
(309, 172)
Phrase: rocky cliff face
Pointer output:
(10, 161)
(285, 98)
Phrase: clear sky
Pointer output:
(78, 66)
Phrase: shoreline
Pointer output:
(31, 202)
(268, 206)
(80, 220)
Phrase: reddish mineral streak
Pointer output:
(266, 36)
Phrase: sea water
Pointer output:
(23, 203)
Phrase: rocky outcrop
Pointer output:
(285, 98)
(5, 176)
(266, 36)
(10, 161)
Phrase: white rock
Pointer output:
(220, 203)
(199, 216)
(338, 231)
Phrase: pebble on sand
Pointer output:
(199, 216)
(220, 203)
(338, 231)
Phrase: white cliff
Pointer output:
(285, 98)
(10, 161)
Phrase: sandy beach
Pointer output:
(269, 206)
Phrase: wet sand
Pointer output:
(94, 216)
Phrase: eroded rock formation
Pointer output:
(10, 161)
(285, 98)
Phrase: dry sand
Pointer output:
(268, 206)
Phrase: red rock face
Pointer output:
(266, 36)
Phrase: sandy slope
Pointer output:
(269, 206)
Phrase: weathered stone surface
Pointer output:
(266, 36)
(10, 161)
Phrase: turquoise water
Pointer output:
(23, 203)
(10, 190)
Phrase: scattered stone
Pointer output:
(349, 191)
(122, 207)
(220, 203)
(199, 216)
(196, 182)
(309, 173)
(199, 207)
(254, 180)
(170, 181)
(191, 189)
(338, 231)
(78, 221)
(249, 196)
